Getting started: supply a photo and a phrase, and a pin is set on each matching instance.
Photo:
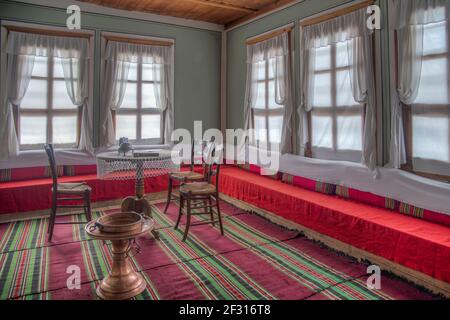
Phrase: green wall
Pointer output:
(197, 58)
(236, 54)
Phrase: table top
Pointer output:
(138, 155)
(147, 226)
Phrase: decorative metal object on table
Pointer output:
(122, 282)
(138, 166)
(124, 146)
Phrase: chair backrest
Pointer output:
(200, 149)
(213, 167)
(52, 162)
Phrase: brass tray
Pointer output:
(122, 222)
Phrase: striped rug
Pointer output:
(255, 260)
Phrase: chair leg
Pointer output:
(87, 199)
(211, 212)
(188, 219)
(169, 195)
(180, 212)
(219, 214)
(51, 222)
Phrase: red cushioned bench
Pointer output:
(417, 244)
(35, 193)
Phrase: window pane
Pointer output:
(40, 67)
(61, 99)
(344, 91)
(431, 138)
(272, 103)
(275, 125)
(261, 97)
(33, 130)
(342, 54)
(65, 129)
(130, 97)
(147, 72)
(151, 126)
(322, 90)
(36, 95)
(434, 38)
(323, 58)
(260, 70)
(349, 133)
(132, 73)
(260, 128)
(126, 126)
(271, 69)
(148, 96)
(322, 131)
(433, 87)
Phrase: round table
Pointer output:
(138, 166)
(122, 282)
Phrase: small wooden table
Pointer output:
(114, 166)
(123, 282)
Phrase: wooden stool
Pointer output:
(66, 192)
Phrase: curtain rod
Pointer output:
(336, 13)
(269, 35)
(139, 41)
(47, 32)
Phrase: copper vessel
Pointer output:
(123, 282)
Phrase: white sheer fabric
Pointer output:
(118, 57)
(412, 19)
(21, 50)
(275, 51)
(352, 42)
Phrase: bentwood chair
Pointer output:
(201, 195)
(63, 192)
(178, 178)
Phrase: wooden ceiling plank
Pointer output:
(223, 5)
(264, 10)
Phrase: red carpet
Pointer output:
(254, 260)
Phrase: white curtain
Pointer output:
(276, 51)
(118, 57)
(410, 16)
(21, 50)
(350, 29)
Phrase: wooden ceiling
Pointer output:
(225, 12)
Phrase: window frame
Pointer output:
(139, 111)
(267, 112)
(433, 110)
(333, 111)
(49, 112)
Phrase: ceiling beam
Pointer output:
(223, 5)
(263, 11)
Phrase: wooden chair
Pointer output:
(62, 192)
(201, 195)
(178, 178)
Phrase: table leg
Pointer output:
(139, 203)
(122, 282)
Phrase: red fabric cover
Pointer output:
(322, 187)
(30, 195)
(257, 169)
(79, 170)
(416, 244)
(20, 174)
(424, 214)
(367, 197)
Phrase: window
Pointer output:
(46, 113)
(336, 119)
(267, 114)
(138, 118)
(431, 104)
(427, 120)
